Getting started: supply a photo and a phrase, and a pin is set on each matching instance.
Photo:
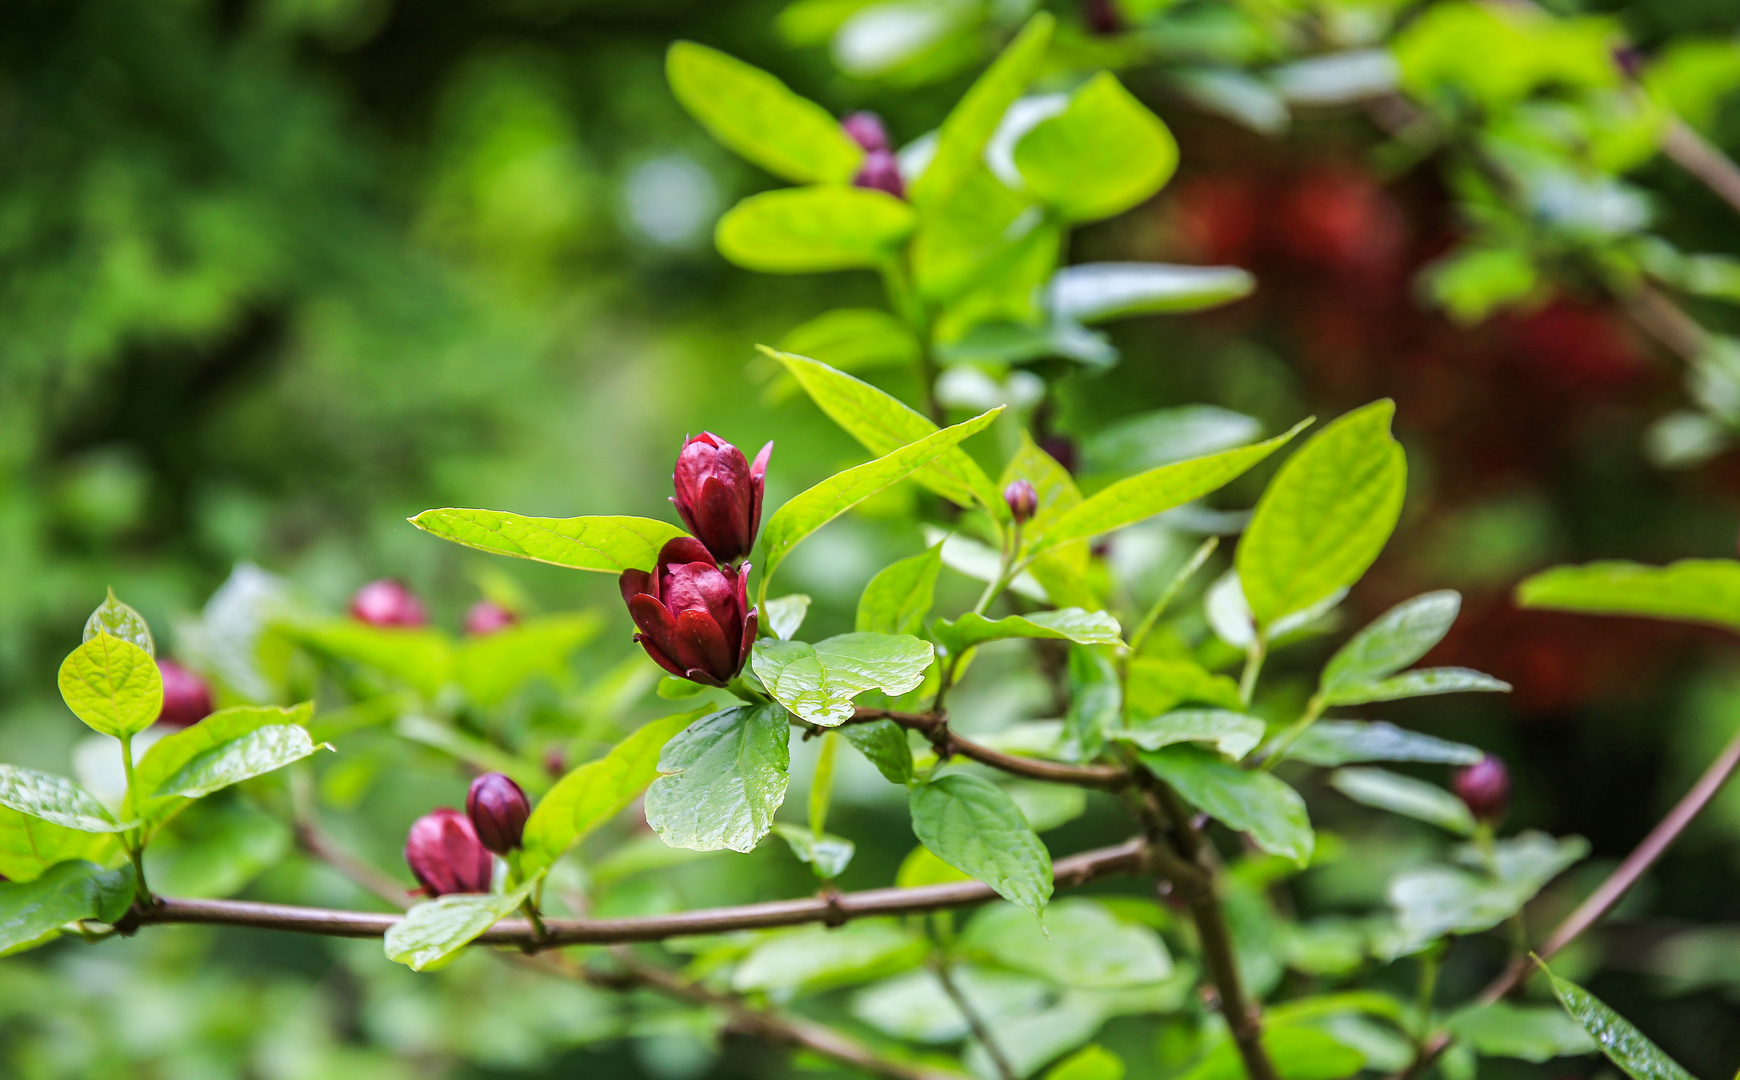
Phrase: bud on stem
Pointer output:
(1485, 788)
(498, 811)
(1022, 499)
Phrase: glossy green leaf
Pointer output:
(1232, 733)
(900, 595)
(828, 855)
(973, 826)
(759, 117)
(1325, 515)
(597, 791)
(1406, 796)
(1068, 624)
(112, 685)
(1531, 1032)
(55, 800)
(609, 545)
(1421, 682)
(1623, 1044)
(960, 143)
(29, 845)
(492, 666)
(1146, 494)
(263, 750)
(118, 620)
(32, 912)
(223, 744)
(1163, 436)
(818, 682)
(854, 339)
(1298, 1053)
(432, 932)
(1082, 944)
(881, 423)
(1341, 742)
(721, 779)
(810, 510)
(1394, 640)
(1691, 590)
(1154, 686)
(884, 743)
(1253, 802)
(814, 958)
(785, 614)
(1096, 701)
(1089, 1063)
(810, 230)
(1098, 292)
(1102, 155)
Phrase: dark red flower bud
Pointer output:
(1063, 450)
(444, 853)
(498, 811)
(1022, 499)
(881, 172)
(719, 494)
(387, 603)
(186, 696)
(694, 617)
(866, 130)
(486, 617)
(1102, 17)
(1485, 787)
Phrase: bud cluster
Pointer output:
(881, 169)
(449, 852)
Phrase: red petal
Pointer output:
(659, 657)
(757, 484)
(751, 625)
(635, 583)
(654, 619)
(682, 549)
(697, 675)
(702, 645)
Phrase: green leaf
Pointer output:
(1406, 796)
(960, 143)
(1082, 945)
(884, 743)
(900, 595)
(32, 912)
(1530, 1032)
(854, 339)
(260, 751)
(55, 800)
(1102, 155)
(1298, 1053)
(818, 682)
(1691, 590)
(30, 845)
(1394, 640)
(1096, 701)
(810, 510)
(827, 854)
(1098, 292)
(1051, 482)
(418, 657)
(1339, 742)
(1434, 900)
(609, 545)
(227, 747)
(596, 792)
(1233, 734)
(785, 614)
(914, 1006)
(1047, 806)
(112, 685)
(432, 932)
(1325, 515)
(1146, 494)
(1623, 1044)
(1093, 1062)
(756, 115)
(810, 230)
(1161, 437)
(1068, 624)
(1154, 686)
(882, 424)
(1253, 802)
(815, 958)
(118, 620)
(493, 666)
(1420, 682)
(721, 780)
(973, 826)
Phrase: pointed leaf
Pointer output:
(1096, 701)
(193, 755)
(1691, 590)
(1421, 682)
(112, 685)
(827, 854)
(32, 912)
(1096, 292)
(1406, 796)
(900, 595)
(960, 143)
(884, 743)
(811, 230)
(1623, 1044)
(1233, 734)
(1531, 1032)
(1340, 742)
(118, 620)
(722, 779)
(1069, 624)
(432, 932)
(609, 545)
(818, 682)
(260, 751)
(973, 826)
(1254, 802)
(54, 799)
(1102, 155)
(1394, 640)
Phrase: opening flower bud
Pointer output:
(694, 617)
(865, 129)
(498, 811)
(1485, 787)
(881, 172)
(1022, 499)
(445, 855)
(486, 617)
(719, 494)
(186, 696)
(387, 603)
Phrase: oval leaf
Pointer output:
(900, 595)
(54, 799)
(884, 742)
(960, 143)
(606, 544)
(814, 229)
(1339, 742)
(1421, 682)
(1253, 802)
(32, 912)
(1097, 292)
(433, 931)
(112, 685)
(1394, 640)
(1102, 155)
(192, 755)
(1233, 734)
(1069, 624)
(1691, 590)
(1406, 796)
(975, 827)
(818, 682)
(722, 779)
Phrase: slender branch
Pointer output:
(1667, 323)
(1695, 154)
(1605, 896)
(934, 726)
(832, 909)
(975, 1023)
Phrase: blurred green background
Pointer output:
(275, 274)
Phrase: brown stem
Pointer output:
(975, 1023)
(317, 844)
(1605, 896)
(1667, 323)
(1695, 154)
(934, 726)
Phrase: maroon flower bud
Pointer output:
(444, 853)
(1022, 499)
(498, 810)
(1102, 17)
(1485, 787)
(866, 130)
(1062, 450)
(694, 617)
(486, 617)
(387, 603)
(881, 172)
(186, 697)
(719, 494)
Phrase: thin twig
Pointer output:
(1698, 156)
(975, 1023)
(934, 726)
